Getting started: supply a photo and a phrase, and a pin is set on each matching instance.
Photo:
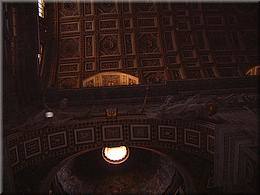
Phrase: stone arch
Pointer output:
(110, 78)
(36, 147)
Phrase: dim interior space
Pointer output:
(123, 97)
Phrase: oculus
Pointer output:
(115, 155)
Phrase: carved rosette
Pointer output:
(108, 45)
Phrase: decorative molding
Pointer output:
(167, 133)
(89, 26)
(192, 138)
(88, 8)
(69, 48)
(57, 140)
(32, 147)
(69, 10)
(147, 22)
(89, 46)
(133, 132)
(108, 24)
(107, 8)
(69, 27)
(84, 135)
(148, 43)
(140, 132)
(69, 68)
(89, 66)
(112, 132)
(109, 45)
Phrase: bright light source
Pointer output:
(49, 114)
(115, 155)
(41, 5)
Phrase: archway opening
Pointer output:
(111, 78)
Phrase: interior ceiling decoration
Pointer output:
(110, 78)
(152, 41)
(208, 127)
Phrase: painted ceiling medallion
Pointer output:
(115, 155)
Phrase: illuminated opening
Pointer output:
(41, 5)
(110, 78)
(254, 71)
(115, 155)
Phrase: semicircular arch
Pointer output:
(110, 78)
